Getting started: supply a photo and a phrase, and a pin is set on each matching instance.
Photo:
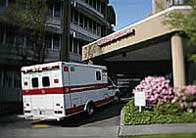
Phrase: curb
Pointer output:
(121, 123)
(125, 130)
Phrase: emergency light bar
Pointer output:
(39, 69)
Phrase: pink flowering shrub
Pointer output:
(157, 90)
(186, 97)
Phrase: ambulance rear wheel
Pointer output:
(90, 109)
(117, 97)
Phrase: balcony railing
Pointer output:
(177, 2)
(56, 21)
(17, 53)
(77, 28)
(88, 7)
(2, 10)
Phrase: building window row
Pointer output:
(175, 2)
(54, 9)
(53, 42)
(9, 79)
(96, 4)
(76, 46)
(12, 38)
(4, 3)
(86, 23)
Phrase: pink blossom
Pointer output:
(194, 104)
(184, 104)
(157, 89)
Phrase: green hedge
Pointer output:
(173, 114)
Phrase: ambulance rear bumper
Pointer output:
(41, 117)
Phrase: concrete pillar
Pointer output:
(177, 60)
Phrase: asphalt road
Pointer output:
(104, 123)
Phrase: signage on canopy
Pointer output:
(116, 36)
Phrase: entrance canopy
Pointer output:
(149, 44)
(134, 37)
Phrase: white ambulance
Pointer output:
(61, 89)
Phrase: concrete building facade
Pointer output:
(86, 21)
(148, 47)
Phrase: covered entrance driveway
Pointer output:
(148, 47)
(128, 66)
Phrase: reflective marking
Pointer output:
(36, 121)
(40, 126)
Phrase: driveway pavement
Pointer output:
(105, 123)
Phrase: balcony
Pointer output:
(177, 3)
(52, 55)
(15, 55)
(87, 10)
(75, 57)
(76, 28)
(91, 9)
(54, 24)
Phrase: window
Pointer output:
(50, 9)
(10, 37)
(1, 78)
(8, 79)
(94, 27)
(81, 20)
(98, 30)
(34, 82)
(85, 22)
(72, 15)
(94, 4)
(56, 42)
(76, 17)
(98, 6)
(57, 7)
(91, 3)
(90, 25)
(2, 3)
(71, 45)
(75, 46)
(17, 80)
(98, 75)
(19, 40)
(1, 35)
(176, 2)
(29, 43)
(45, 81)
(49, 41)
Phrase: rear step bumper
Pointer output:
(33, 117)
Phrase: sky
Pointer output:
(130, 11)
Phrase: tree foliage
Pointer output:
(30, 16)
(185, 22)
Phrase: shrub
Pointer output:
(168, 108)
(154, 116)
(186, 97)
(157, 90)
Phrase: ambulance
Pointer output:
(53, 91)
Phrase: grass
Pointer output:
(179, 135)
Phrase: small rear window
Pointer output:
(98, 75)
(46, 81)
(34, 82)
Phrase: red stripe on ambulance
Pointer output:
(64, 90)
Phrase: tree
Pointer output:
(185, 22)
(30, 16)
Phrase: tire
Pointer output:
(90, 109)
(117, 98)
